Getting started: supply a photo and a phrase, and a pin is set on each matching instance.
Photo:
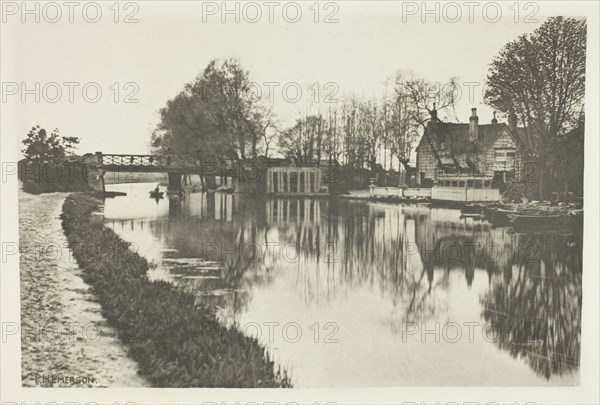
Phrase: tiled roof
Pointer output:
(452, 147)
(455, 137)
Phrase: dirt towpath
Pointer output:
(65, 340)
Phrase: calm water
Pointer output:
(355, 294)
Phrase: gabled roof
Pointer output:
(455, 137)
(451, 145)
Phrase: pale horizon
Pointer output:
(161, 53)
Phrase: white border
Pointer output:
(586, 393)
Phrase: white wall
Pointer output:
(465, 194)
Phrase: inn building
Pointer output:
(493, 153)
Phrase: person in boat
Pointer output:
(156, 190)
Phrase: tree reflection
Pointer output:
(407, 254)
(536, 306)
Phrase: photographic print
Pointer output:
(322, 195)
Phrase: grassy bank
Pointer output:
(176, 342)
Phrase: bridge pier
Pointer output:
(94, 171)
(174, 182)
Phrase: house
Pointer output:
(495, 151)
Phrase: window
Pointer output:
(470, 183)
(478, 184)
(454, 183)
(499, 155)
(461, 184)
(486, 184)
(502, 155)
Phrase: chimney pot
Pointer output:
(494, 120)
(433, 113)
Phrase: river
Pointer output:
(355, 294)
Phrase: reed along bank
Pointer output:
(176, 341)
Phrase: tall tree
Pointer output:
(302, 143)
(540, 78)
(362, 131)
(410, 109)
(52, 148)
(216, 116)
(332, 143)
(424, 97)
(400, 123)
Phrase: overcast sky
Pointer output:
(170, 44)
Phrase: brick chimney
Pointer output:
(473, 126)
(494, 120)
(433, 113)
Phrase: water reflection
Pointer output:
(372, 269)
(537, 303)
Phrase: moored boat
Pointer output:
(540, 219)
(469, 209)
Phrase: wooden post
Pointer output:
(305, 176)
(268, 187)
(280, 182)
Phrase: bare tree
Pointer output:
(401, 125)
(425, 97)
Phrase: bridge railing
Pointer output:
(148, 160)
(173, 161)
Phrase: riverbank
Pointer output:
(176, 342)
(40, 177)
(63, 330)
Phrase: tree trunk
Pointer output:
(203, 184)
(254, 147)
(542, 158)
(541, 173)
